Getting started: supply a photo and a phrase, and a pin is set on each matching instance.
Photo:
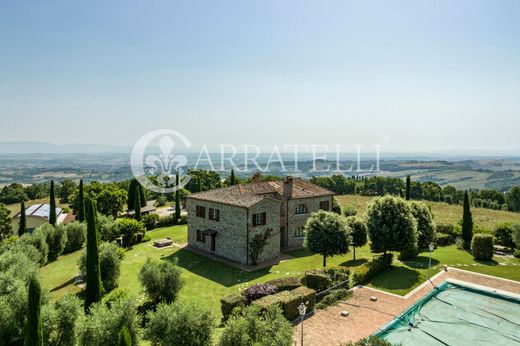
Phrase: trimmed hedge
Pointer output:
(446, 228)
(443, 239)
(317, 280)
(229, 303)
(258, 291)
(292, 300)
(338, 274)
(482, 246)
(333, 298)
(289, 301)
(286, 283)
(367, 271)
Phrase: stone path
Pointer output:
(328, 327)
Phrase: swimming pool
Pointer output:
(455, 314)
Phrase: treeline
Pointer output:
(429, 191)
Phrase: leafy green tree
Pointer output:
(52, 203)
(180, 324)
(390, 224)
(336, 207)
(358, 229)
(467, 222)
(59, 321)
(504, 235)
(425, 224)
(129, 228)
(6, 229)
(256, 326)
(161, 280)
(66, 188)
(408, 187)
(110, 257)
(37, 191)
(33, 331)
(76, 236)
(93, 271)
(513, 198)
(56, 240)
(124, 338)
(177, 198)
(327, 233)
(22, 226)
(81, 202)
(137, 203)
(14, 193)
(102, 325)
(515, 235)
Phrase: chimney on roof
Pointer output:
(257, 177)
(287, 187)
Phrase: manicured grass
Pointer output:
(443, 212)
(206, 280)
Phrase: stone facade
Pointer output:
(295, 221)
(230, 237)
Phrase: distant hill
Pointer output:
(50, 148)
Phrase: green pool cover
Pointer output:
(457, 315)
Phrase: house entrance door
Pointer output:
(213, 236)
(283, 238)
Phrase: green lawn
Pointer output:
(206, 281)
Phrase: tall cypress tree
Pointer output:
(131, 194)
(177, 198)
(408, 187)
(33, 328)
(81, 202)
(137, 203)
(467, 222)
(232, 180)
(124, 338)
(52, 203)
(22, 226)
(93, 276)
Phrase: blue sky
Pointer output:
(412, 75)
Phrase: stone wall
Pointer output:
(230, 241)
(272, 210)
(295, 221)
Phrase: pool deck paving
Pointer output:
(328, 327)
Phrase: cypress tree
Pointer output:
(124, 338)
(467, 222)
(33, 328)
(232, 178)
(22, 226)
(408, 187)
(52, 203)
(93, 275)
(131, 194)
(177, 198)
(81, 202)
(142, 194)
(137, 203)
(199, 185)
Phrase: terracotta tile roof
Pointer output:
(247, 195)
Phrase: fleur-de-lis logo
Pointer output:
(163, 166)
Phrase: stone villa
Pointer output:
(223, 221)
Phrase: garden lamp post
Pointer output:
(301, 309)
(431, 247)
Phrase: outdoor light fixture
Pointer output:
(302, 309)
(430, 247)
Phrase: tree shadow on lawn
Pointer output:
(420, 262)
(215, 271)
(354, 263)
(396, 278)
(490, 263)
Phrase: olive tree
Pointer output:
(358, 232)
(390, 224)
(327, 234)
(161, 280)
(110, 257)
(179, 324)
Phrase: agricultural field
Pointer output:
(443, 212)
